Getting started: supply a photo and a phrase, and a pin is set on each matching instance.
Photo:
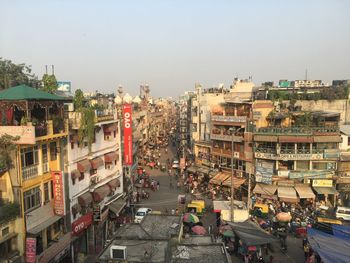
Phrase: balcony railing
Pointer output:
(45, 167)
(229, 118)
(298, 130)
(104, 115)
(222, 137)
(41, 130)
(29, 172)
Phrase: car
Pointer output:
(175, 164)
(343, 213)
(141, 213)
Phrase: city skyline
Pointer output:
(171, 46)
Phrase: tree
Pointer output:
(12, 74)
(78, 99)
(49, 83)
(7, 146)
(86, 132)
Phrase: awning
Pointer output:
(75, 174)
(287, 194)
(113, 184)
(237, 182)
(56, 248)
(326, 190)
(100, 193)
(219, 178)
(327, 139)
(96, 162)
(110, 128)
(117, 206)
(85, 199)
(294, 139)
(304, 191)
(265, 189)
(84, 166)
(37, 229)
(111, 157)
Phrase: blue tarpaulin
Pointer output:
(341, 231)
(329, 247)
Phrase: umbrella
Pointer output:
(190, 218)
(199, 230)
(283, 217)
(228, 233)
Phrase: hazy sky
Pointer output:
(172, 44)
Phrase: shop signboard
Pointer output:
(322, 183)
(30, 250)
(343, 187)
(264, 172)
(25, 134)
(127, 120)
(81, 224)
(314, 174)
(58, 193)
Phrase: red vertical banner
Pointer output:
(58, 204)
(30, 250)
(127, 122)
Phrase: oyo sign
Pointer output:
(127, 134)
(127, 120)
(81, 224)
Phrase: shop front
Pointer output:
(343, 187)
(81, 230)
(326, 192)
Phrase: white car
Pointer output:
(176, 164)
(141, 213)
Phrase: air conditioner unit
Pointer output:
(95, 180)
(236, 154)
(68, 107)
(118, 252)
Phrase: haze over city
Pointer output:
(170, 45)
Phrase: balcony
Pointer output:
(29, 172)
(228, 138)
(103, 115)
(50, 129)
(220, 118)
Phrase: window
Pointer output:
(72, 145)
(81, 176)
(107, 136)
(93, 171)
(46, 192)
(115, 162)
(53, 151)
(5, 231)
(348, 140)
(51, 187)
(108, 166)
(73, 181)
(44, 153)
(29, 156)
(32, 199)
(114, 134)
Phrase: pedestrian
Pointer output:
(210, 229)
(271, 259)
(158, 185)
(306, 251)
(178, 185)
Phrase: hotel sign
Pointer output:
(26, 134)
(30, 250)
(81, 224)
(127, 121)
(58, 204)
(322, 183)
(273, 156)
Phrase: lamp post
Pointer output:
(233, 133)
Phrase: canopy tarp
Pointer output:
(341, 231)
(24, 92)
(326, 190)
(265, 189)
(219, 178)
(251, 234)
(329, 247)
(287, 194)
(304, 191)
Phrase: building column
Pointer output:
(40, 154)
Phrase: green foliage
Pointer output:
(12, 74)
(78, 99)
(58, 123)
(8, 211)
(49, 83)
(7, 146)
(86, 131)
(304, 120)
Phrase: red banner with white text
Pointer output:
(58, 204)
(127, 122)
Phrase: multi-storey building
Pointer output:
(296, 148)
(38, 178)
(95, 181)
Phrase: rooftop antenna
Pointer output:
(46, 69)
(53, 69)
(305, 74)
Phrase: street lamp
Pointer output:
(233, 133)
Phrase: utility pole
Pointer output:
(232, 188)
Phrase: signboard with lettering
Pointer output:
(322, 183)
(30, 250)
(127, 134)
(81, 224)
(287, 157)
(313, 174)
(264, 171)
(26, 134)
(58, 194)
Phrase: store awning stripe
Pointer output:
(84, 166)
(110, 128)
(287, 192)
(85, 199)
(265, 189)
(113, 184)
(96, 162)
(100, 193)
(110, 157)
(304, 191)
(75, 174)
(37, 229)
(326, 190)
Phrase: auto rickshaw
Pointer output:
(195, 209)
(200, 203)
(261, 210)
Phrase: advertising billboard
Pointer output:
(65, 86)
(264, 172)
(25, 134)
(58, 194)
(127, 122)
(30, 250)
